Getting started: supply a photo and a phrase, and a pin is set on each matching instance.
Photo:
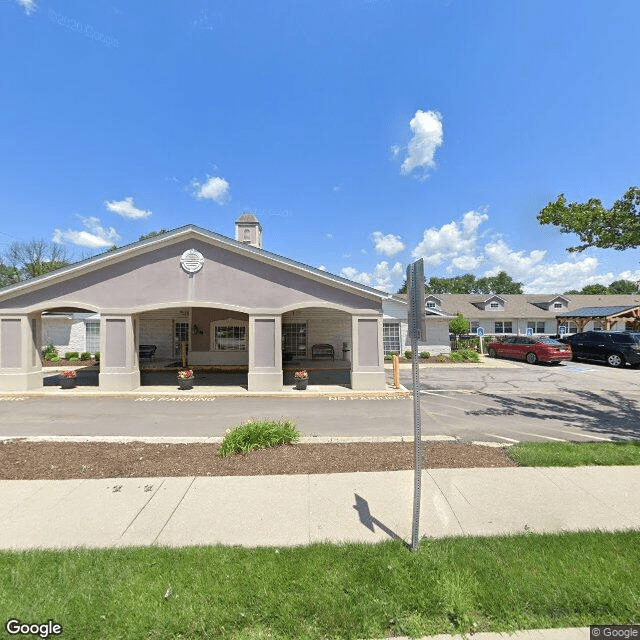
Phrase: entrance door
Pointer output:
(180, 334)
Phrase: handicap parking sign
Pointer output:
(480, 332)
(530, 332)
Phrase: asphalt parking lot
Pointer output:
(500, 402)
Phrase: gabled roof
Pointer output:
(177, 235)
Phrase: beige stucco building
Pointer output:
(233, 303)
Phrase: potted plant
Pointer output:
(302, 378)
(68, 379)
(185, 379)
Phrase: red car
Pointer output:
(532, 350)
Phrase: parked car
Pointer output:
(613, 347)
(532, 350)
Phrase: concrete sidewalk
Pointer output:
(302, 509)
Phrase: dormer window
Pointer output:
(557, 305)
(494, 305)
(431, 305)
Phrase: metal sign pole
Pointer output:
(417, 329)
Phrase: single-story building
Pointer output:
(228, 301)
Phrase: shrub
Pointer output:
(50, 356)
(73, 359)
(71, 354)
(49, 352)
(388, 357)
(442, 358)
(425, 354)
(54, 359)
(456, 356)
(258, 434)
(97, 356)
(469, 354)
(407, 355)
(85, 355)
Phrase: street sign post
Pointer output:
(417, 331)
(480, 334)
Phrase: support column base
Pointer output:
(119, 381)
(21, 381)
(368, 381)
(264, 381)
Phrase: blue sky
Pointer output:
(362, 133)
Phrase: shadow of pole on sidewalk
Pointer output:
(369, 521)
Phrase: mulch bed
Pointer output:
(21, 460)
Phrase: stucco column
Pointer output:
(367, 360)
(119, 369)
(265, 353)
(20, 365)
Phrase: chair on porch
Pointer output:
(322, 351)
(147, 351)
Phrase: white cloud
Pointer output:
(322, 268)
(94, 237)
(328, 236)
(29, 6)
(127, 209)
(383, 277)
(634, 276)
(216, 189)
(389, 245)
(451, 240)
(465, 263)
(427, 137)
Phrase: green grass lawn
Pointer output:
(574, 454)
(325, 591)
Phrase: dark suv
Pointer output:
(614, 347)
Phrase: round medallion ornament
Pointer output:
(192, 261)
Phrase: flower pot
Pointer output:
(301, 385)
(68, 383)
(186, 384)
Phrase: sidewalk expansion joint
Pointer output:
(174, 510)
(143, 507)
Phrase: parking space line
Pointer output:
(493, 435)
(584, 435)
(539, 435)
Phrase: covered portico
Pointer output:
(608, 317)
(225, 282)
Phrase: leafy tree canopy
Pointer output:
(459, 325)
(615, 228)
(468, 283)
(618, 287)
(151, 234)
(34, 258)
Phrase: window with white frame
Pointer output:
(503, 326)
(229, 335)
(391, 337)
(431, 304)
(494, 305)
(294, 339)
(92, 336)
(557, 305)
(536, 325)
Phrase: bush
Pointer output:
(388, 357)
(425, 354)
(456, 356)
(85, 355)
(469, 354)
(49, 351)
(71, 354)
(258, 434)
(73, 359)
(54, 359)
(442, 358)
(407, 355)
(97, 356)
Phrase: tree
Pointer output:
(468, 283)
(594, 290)
(624, 287)
(36, 257)
(8, 275)
(151, 234)
(596, 226)
(459, 325)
